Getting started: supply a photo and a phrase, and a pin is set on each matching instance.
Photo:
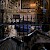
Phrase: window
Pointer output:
(28, 4)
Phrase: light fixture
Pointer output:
(33, 5)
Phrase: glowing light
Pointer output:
(33, 5)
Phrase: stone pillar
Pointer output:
(6, 2)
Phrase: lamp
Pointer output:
(33, 5)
